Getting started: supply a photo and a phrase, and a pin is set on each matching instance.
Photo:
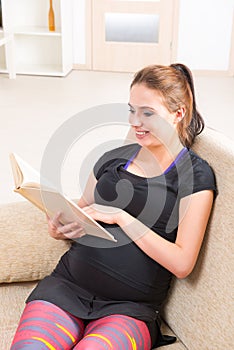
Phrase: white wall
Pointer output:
(204, 37)
(79, 35)
(205, 33)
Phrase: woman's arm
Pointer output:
(179, 257)
(87, 197)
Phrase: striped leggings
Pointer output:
(45, 326)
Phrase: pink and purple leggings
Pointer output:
(45, 326)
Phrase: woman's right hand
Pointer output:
(60, 231)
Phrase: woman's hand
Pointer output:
(60, 231)
(106, 214)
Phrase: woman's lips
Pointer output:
(141, 134)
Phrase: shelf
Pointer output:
(39, 69)
(26, 30)
(37, 50)
(3, 70)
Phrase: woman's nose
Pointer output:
(135, 119)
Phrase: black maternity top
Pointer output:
(97, 277)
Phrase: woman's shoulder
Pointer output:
(123, 151)
(200, 164)
(197, 174)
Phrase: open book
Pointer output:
(28, 184)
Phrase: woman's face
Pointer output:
(152, 122)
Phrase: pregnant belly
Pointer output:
(98, 282)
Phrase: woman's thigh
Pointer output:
(116, 332)
(45, 326)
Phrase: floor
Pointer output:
(33, 110)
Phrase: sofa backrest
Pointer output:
(200, 307)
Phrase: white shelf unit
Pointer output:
(39, 51)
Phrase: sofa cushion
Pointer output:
(29, 252)
(201, 305)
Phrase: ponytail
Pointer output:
(196, 125)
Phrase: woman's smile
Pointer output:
(140, 134)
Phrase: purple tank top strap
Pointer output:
(180, 155)
(130, 160)
(182, 152)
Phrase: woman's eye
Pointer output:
(148, 114)
(131, 110)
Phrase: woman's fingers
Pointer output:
(103, 213)
(54, 226)
(60, 231)
(75, 234)
(55, 220)
(69, 227)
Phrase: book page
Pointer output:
(52, 202)
(29, 174)
(17, 173)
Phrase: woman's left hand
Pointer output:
(106, 214)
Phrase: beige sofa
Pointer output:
(199, 309)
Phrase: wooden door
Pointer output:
(127, 35)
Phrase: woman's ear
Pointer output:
(179, 114)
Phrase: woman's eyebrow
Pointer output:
(143, 107)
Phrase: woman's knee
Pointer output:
(115, 332)
(46, 326)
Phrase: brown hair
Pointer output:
(175, 84)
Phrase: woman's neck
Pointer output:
(155, 160)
